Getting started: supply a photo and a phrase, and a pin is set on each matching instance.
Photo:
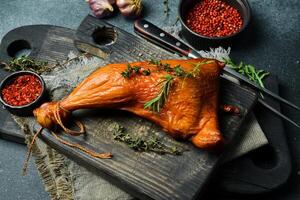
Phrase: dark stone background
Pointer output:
(274, 46)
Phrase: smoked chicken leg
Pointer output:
(189, 112)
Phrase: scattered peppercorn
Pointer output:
(22, 90)
(214, 18)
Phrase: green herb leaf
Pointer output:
(249, 71)
(136, 69)
(146, 72)
(154, 62)
(26, 63)
(197, 67)
(139, 144)
(156, 103)
(179, 71)
(130, 70)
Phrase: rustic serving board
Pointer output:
(145, 175)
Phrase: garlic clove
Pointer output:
(123, 3)
(101, 8)
(129, 8)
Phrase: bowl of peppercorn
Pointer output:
(211, 23)
(21, 92)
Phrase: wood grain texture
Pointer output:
(145, 175)
(48, 43)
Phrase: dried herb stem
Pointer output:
(139, 144)
(26, 63)
(178, 71)
(197, 67)
(130, 70)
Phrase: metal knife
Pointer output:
(163, 39)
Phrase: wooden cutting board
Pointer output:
(145, 175)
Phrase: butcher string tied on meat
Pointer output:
(25, 165)
(89, 152)
(75, 133)
(68, 131)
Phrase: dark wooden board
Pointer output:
(146, 175)
(49, 43)
(267, 167)
(149, 175)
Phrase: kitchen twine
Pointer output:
(67, 131)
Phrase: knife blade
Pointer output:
(158, 36)
(166, 40)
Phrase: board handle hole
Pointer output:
(264, 157)
(104, 35)
(19, 48)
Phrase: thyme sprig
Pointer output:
(156, 103)
(26, 63)
(146, 72)
(161, 66)
(139, 144)
(177, 70)
(249, 71)
(134, 69)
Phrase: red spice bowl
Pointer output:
(21, 92)
(211, 23)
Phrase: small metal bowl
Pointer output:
(25, 110)
(203, 42)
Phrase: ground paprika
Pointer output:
(22, 90)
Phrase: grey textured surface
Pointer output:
(14, 186)
(275, 47)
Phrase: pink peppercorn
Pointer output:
(214, 18)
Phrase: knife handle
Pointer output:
(160, 37)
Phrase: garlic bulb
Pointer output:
(101, 8)
(130, 8)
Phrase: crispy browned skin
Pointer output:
(189, 112)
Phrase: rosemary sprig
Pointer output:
(26, 63)
(157, 103)
(139, 144)
(249, 71)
